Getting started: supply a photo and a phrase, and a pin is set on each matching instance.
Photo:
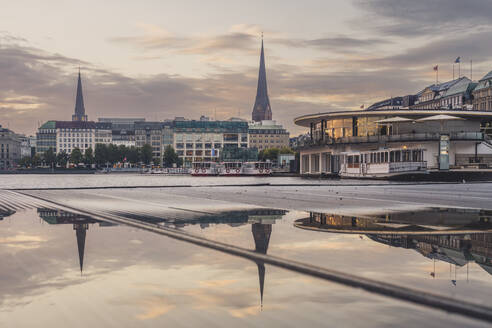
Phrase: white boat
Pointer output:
(257, 168)
(382, 163)
(231, 168)
(204, 169)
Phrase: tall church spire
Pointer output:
(79, 103)
(261, 109)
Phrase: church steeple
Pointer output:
(79, 103)
(261, 109)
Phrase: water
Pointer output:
(62, 269)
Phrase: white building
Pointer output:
(75, 134)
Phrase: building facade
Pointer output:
(482, 94)
(204, 140)
(75, 134)
(10, 149)
(103, 134)
(267, 134)
(46, 137)
(454, 94)
(333, 134)
(150, 133)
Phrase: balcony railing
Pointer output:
(431, 136)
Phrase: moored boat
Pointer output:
(257, 168)
(231, 169)
(383, 163)
(204, 169)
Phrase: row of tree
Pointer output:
(272, 153)
(103, 155)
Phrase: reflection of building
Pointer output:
(261, 221)
(417, 222)
(261, 234)
(80, 225)
(438, 234)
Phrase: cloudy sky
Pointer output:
(161, 59)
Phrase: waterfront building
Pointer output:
(391, 103)
(25, 146)
(122, 130)
(103, 134)
(75, 134)
(204, 140)
(261, 109)
(267, 134)
(79, 114)
(10, 148)
(46, 137)
(333, 134)
(482, 94)
(151, 133)
(454, 94)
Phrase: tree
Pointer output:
(88, 156)
(146, 153)
(101, 154)
(25, 162)
(132, 154)
(76, 156)
(170, 157)
(62, 158)
(49, 157)
(272, 153)
(36, 160)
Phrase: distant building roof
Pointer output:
(48, 125)
(211, 126)
(394, 101)
(121, 120)
(75, 125)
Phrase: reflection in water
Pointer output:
(4, 212)
(455, 236)
(80, 225)
(261, 221)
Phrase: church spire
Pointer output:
(262, 109)
(79, 103)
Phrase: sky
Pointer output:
(161, 59)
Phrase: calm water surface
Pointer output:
(60, 269)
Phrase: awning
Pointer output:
(396, 119)
(441, 117)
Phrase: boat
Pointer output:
(385, 162)
(257, 168)
(204, 169)
(231, 169)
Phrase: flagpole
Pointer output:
(471, 70)
(453, 71)
(459, 69)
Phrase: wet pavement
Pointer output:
(62, 268)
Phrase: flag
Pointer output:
(457, 60)
(362, 106)
(436, 67)
(124, 159)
